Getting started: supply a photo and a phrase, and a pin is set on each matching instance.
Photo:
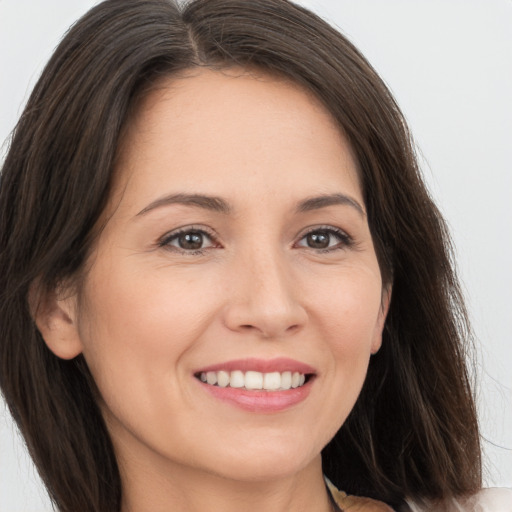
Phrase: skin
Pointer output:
(149, 315)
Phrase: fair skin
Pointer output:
(268, 279)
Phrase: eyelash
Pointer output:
(166, 240)
(344, 240)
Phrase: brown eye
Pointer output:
(325, 239)
(318, 240)
(191, 241)
(188, 240)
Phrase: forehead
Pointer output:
(231, 129)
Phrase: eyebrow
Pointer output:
(212, 203)
(219, 205)
(323, 201)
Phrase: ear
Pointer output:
(55, 314)
(381, 320)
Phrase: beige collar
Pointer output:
(356, 503)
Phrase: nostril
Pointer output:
(247, 327)
(266, 317)
(269, 332)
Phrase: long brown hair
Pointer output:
(413, 431)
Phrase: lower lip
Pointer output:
(260, 401)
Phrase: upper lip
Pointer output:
(280, 364)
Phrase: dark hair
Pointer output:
(413, 431)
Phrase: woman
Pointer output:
(222, 275)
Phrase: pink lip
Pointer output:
(260, 401)
(280, 364)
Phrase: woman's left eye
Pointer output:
(189, 240)
(325, 239)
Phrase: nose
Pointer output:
(264, 298)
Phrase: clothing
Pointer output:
(487, 500)
(355, 503)
(495, 499)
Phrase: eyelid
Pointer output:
(164, 241)
(345, 239)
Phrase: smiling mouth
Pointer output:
(255, 381)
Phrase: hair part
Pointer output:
(413, 432)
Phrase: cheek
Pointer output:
(135, 328)
(349, 309)
(349, 316)
(136, 334)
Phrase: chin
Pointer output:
(266, 463)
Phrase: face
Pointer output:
(237, 252)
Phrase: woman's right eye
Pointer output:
(193, 241)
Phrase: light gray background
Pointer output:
(449, 64)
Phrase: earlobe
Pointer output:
(383, 313)
(56, 320)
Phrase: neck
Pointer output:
(187, 490)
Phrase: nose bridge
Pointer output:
(264, 297)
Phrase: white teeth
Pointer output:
(273, 381)
(286, 380)
(253, 380)
(237, 379)
(222, 379)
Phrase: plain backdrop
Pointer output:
(449, 65)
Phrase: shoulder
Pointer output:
(496, 499)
